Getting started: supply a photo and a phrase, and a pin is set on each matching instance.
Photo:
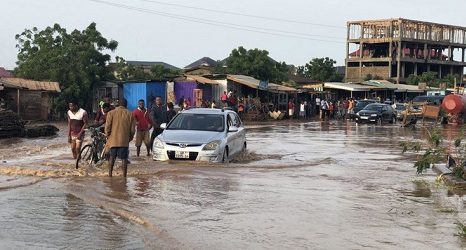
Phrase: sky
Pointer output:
(182, 31)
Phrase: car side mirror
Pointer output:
(163, 126)
(233, 129)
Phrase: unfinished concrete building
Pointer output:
(396, 48)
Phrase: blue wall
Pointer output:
(134, 91)
(155, 89)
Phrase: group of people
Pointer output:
(323, 107)
(120, 127)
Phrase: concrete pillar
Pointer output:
(361, 52)
(17, 102)
(403, 70)
(450, 54)
(398, 62)
(440, 72)
(425, 51)
(462, 55)
(415, 68)
(390, 55)
(347, 49)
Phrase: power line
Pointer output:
(245, 15)
(222, 24)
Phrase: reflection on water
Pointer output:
(301, 186)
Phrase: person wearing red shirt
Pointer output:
(143, 125)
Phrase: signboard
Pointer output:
(263, 85)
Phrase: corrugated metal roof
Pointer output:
(393, 86)
(201, 79)
(281, 88)
(351, 86)
(150, 64)
(245, 80)
(254, 83)
(205, 61)
(20, 83)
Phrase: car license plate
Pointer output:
(181, 154)
(364, 117)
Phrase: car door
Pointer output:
(385, 113)
(241, 133)
(233, 136)
(230, 135)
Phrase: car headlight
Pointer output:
(373, 115)
(213, 145)
(357, 113)
(157, 143)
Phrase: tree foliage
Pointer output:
(129, 72)
(77, 60)
(256, 63)
(320, 69)
(431, 79)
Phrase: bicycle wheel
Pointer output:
(85, 157)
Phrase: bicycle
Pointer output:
(93, 153)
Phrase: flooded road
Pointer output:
(301, 186)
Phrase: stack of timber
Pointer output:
(10, 124)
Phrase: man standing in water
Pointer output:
(143, 124)
(159, 116)
(119, 129)
(77, 122)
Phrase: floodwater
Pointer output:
(308, 185)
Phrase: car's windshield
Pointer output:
(200, 122)
(362, 103)
(420, 99)
(373, 107)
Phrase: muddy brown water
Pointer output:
(309, 185)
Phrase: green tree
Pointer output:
(256, 63)
(321, 69)
(77, 60)
(220, 68)
(301, 71)
(450, 80)
(413, 79)
(126, 72)
(159, 72)
(430, 78)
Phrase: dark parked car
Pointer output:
(431, 100)
(361, 104)
(376, 112)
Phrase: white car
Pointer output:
(214, 135)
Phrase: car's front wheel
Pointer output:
(379, 121)
(225, 158)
